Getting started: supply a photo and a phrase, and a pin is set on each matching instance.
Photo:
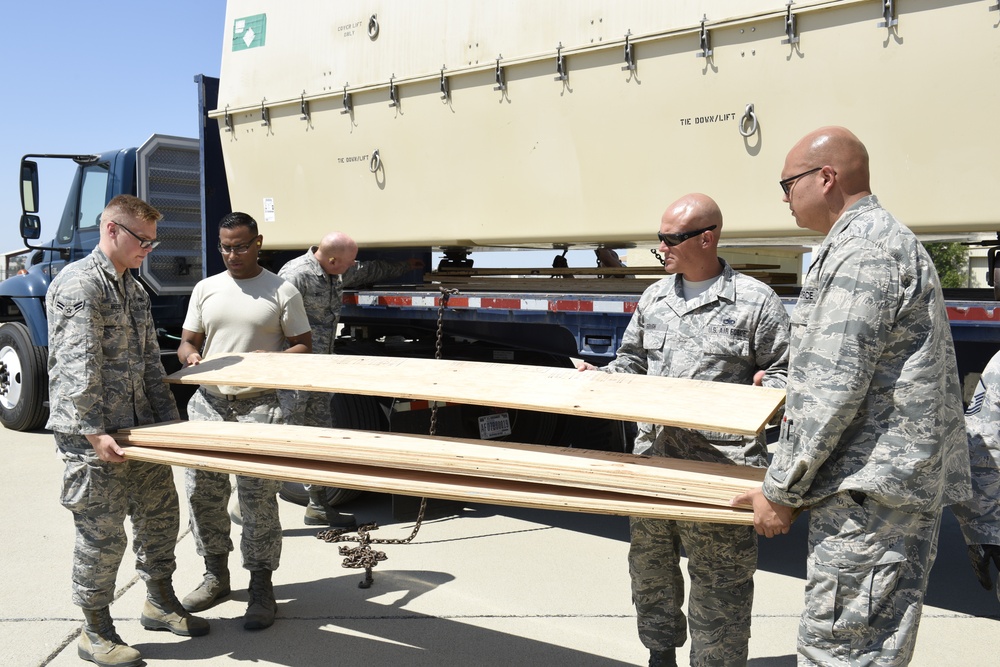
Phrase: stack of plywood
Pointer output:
(460, 469)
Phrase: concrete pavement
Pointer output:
(480, 585)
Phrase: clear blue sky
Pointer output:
(86, 77)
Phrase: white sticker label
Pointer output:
(494, 426)
(268, 209)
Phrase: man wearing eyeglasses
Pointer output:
(321, 275)
(244, 309)
(704, 321)
(105, 374)
(873, 441)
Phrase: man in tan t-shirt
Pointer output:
(244, 309)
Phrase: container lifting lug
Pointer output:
(791, 26)
(705, 40)
(348, 103)
(748, 123)
(265, 115)
(393, 92)
(561, 73)
(373, 27)
(303, 107)
(375, 163)
(498, 76)
(443, 84)
(228, 120)
(888, 14)
(629, 65)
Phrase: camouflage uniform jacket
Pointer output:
(727, 334)
(979, 518)
(104, 362)
(873, 402)
(323, 294)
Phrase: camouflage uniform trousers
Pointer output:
(308, 408)
(209, 492)
(722, 560)
(100, 495)
(866, 577)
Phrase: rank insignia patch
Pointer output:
(69, 309)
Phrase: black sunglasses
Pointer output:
(786, 183)
(677, 239)
(143, 243)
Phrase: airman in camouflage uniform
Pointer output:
(705, 322)
(105, 374)
(873, 440)
(321, 275)
(244, 309)
(979, 517)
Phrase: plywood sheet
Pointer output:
(435, 485)
(717, 406)
(659, 477)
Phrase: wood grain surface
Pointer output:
(716, 406)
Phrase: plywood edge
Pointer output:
(448, 487)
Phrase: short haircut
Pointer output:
(134, 208)
(237, 219)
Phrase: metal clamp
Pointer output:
(749, 117)
(348, 101)
(443, 86)
(888, 14)
(995, 8)
(629, 65)
(791, 26)
(228, 120)
(375, 163)
(303, 107)
(561, 74)
(705, 40)
(498, 76)
(373, 27)
(393, 92)
(265, 115)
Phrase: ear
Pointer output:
(260, 239)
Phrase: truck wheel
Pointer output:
(24, 380)
(349, 411)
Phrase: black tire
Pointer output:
(349, 411)
(24, 380)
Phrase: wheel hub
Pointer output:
(10, 378)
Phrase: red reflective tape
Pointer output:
(629, 306)
(454, 302)
(567, 306)
(973, 314)
(508, 304)
(351, 299)
(395, 301)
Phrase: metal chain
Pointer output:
(362, 556)
(658, 256)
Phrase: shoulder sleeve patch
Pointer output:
(69, 308)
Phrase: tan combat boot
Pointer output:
(262, 608)
(214, 587)
(100, 644)
(163, 611)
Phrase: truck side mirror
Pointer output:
(29, 189)
(31, 227)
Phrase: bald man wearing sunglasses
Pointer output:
(704, 321)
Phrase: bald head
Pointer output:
(336, 252)
(695, 256)
(695, 211)
(828, 172)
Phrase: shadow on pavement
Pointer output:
(356, 629)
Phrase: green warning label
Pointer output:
(249, 32)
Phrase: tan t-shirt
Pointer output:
(259, 313)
